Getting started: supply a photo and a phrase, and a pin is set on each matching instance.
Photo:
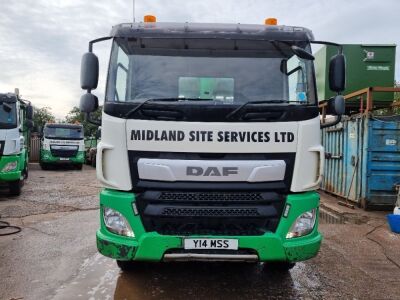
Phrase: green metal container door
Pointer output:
(367, 66)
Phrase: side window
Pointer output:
(121, 82)
(297, 79)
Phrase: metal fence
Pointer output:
(35, 149)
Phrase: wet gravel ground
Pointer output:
(55, 257)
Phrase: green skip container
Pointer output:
(366, 66)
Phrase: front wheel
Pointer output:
(15, 187)
(44, 166)
(280, 266)
(79, 167)
(26, 172)
(130, 265)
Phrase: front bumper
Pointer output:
(48, 158)
(151, 246)
(11, 175)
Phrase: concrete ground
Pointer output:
(55, 256)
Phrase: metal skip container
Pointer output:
(362, 160)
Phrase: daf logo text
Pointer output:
(211, 171)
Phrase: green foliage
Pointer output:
(397, 94)
(75, 115)
(41, 116)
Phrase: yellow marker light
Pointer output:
(271, 21)
(150, 19)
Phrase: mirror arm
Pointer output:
(339, 46)
(89, 119)
(294, 70)
(337, 121)
(98, 40)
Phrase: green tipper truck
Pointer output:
(210, 144)
(15, 124)
(62, 144)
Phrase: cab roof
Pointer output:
(8, 97)
(63, 125)
(212, 30)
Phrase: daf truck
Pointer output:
(210, 144)
(62, 144)
(15, 123)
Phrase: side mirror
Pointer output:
(337, 105)
(89, 71)
(29, 123)
(29, 112)
(88, 103)
(337, 73)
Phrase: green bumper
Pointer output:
(14, 174)
(151, 246)
(48, 158)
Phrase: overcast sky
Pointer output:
(41, 41)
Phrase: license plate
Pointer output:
(64, 158)
(224, 244)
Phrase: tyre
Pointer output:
(279, 266)
(44, 166)
(26, 172)
(79, 167)
(131, 265)
(15, 187)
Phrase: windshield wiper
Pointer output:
(234, 112)
(140, 106)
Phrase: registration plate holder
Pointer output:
(209, 244)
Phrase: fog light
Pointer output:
(116, 222)
(303, 225)
(11, 166)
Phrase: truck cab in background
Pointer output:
(62, 144)
(211, 146)
(15, 123)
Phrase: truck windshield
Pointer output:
(63, 133)
(225, 76)
(8, 115)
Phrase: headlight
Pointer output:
(116, 222)
(303, 225)
(11, 166)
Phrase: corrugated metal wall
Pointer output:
(383, 166)
(363, 160)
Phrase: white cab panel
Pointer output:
(112, 165)
(12, 138)
(210, 137)
(309, 163)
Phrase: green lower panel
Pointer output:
(48, 158)
(151, 246)
(15, 173)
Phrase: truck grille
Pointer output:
(210, 212)
(218, 197)
(224, 213)
(63, 153)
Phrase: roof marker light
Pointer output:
(149, 19)
(271, 21)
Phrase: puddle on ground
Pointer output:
(100, 278)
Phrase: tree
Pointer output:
(75, 116)
(41, 116)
